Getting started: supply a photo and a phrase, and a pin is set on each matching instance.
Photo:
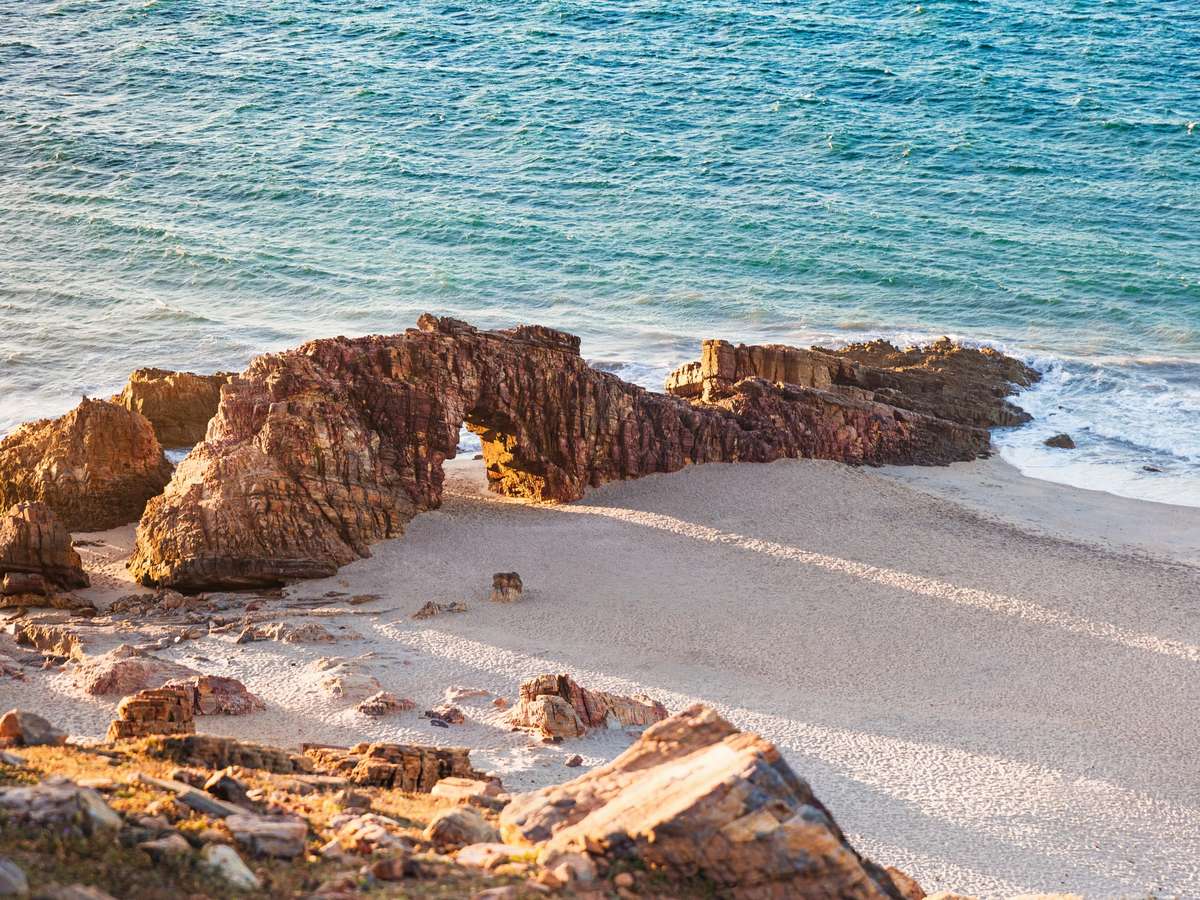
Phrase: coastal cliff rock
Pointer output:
(95, 467)
(319, 451)
(696, 798)
(34, 543)
(178, 405)
(944, 380)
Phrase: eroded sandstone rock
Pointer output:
(556, 706)
(409, 767)
(317, 452)
(460, 826)
(286, 633)
(95, 467)
(22, 728)
(125, 670)
(165, 710)
(178, 405)
(385, 703)
(212, 752)
(217, 695)
(696, 798)
(35, 546)
(506, 587)
(60, 804)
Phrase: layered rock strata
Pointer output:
(556, 706)
(36, 554)
(694, 798)
(165, 710)
(179, 405)
(408, 767)
(95, 467)
(317, 452)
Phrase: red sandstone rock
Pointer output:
(408, 767)
(506, 587)
(216, 695)
(556, 706)
(126, 670)
(694, 797)
(34, 543)
(95, 467)
(178, 405)
(385, 703)
(165, 710)
(317, 452)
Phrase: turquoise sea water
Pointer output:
(186, 184)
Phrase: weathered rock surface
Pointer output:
(1060, 442)
(126, 670)
(211, 752)
(224, 861)
(317, 452)
(694, 797)
(556, 706)
(56, 640)
(262, 836)
(34, 546)
(95, 467)
(346, 679)
(460, 826)
(385, 703)
(217, 695)
(165, 710)
(61, 804)
(178, 405)
(944, 380)
(13, 882)
(286, 633)
(21, 728)
(506, 587)
(409, 767)
(431, 609)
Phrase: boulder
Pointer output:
(217, 695)
(346, 679)
(61, 804)
(506, 587)
(126, 670)
(36, 554)
(165, 710)
(694, 798)
(178, 405)
(458, 827)
(21, 728)
(318, 452)
(465, 790)
(558, 707)
(224, 861)
(366, 833)
(1060, 442)
(13, 882)
(95, 467)
(385, 703)
(282, 837)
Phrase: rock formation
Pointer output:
(696, 798)
(385, 703)
(944, 380)
(317, 452)
(557, 707)
(506, 587)
(165, 710)
(178, 405)
(126, 670)
(95, 467)
(217, 695)
(407, 767)
(34, 543)
(21, 728)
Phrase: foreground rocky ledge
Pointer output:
(320, 451)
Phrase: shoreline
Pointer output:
(982, 707)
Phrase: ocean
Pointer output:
(188, 184)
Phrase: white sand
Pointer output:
(989, 709)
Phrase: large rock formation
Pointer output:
(557, 706)
(95, 467)
(317, 452)
(33, 542)
(696, 798)
(959, 384)
(178, 405)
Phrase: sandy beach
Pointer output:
(991, 709)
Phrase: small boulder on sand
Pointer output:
(506, 587)
(21, 728)
(126, 670)
(385, 703)
(460, 826)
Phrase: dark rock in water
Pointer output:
(1151, 469)
(317, 452)
(1061, 441)
(178, 405)
(95, 467)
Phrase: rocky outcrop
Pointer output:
(317, 452)
(178, 405)
(58, 805)
(165, 710)
(407, 767)
(385, 703)
(34, 543)
(95, 467)
(212, 752)
(944, 380)
(556, 706)
(126, 670)
(21, 728)
(506, 587)
(218, 695)
(694, 798)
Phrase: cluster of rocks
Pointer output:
(172, 708)
(557, 707)
(408, 767)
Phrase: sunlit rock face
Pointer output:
(317, 452)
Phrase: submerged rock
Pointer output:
(694, 797)
(1060, 442)
(318, 452)
(178, 405)
(95, 467)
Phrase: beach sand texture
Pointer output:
(989, 709)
